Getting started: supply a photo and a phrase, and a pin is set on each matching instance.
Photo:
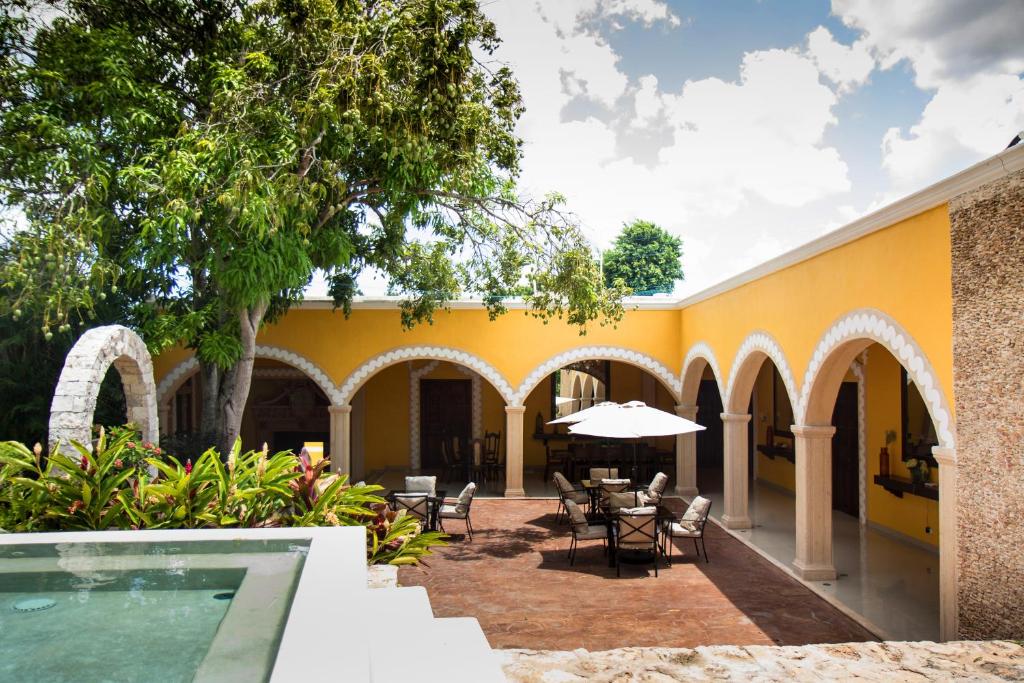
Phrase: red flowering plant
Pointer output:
(136, 450)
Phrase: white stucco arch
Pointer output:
(362, 374)
(173, 380)
(614, 353)
(839, 346)
(697, 358)
(74, 400)
(751, 354)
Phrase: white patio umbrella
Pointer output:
(632, 420)
(587, 413)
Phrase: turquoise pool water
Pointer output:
(113, 612)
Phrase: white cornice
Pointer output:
(991, 169)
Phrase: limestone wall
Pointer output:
(988, 377)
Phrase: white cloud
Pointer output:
(971, 55)
(848, 66)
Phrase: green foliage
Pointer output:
(106, 490)
(645, 258)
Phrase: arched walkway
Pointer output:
(74, 401)
(699, 358)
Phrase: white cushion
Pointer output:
(465, 498)
(578, 497)
(451, 512)
(618, 501)
(576, 517)
(421, 485)
(643, 510)
(599, 473)
(677, 529)
(592, 532)
(562, 483)
(696, 512)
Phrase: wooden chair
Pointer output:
(556, 460)
(492, 455)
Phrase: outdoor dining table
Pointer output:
(662, 514)
(433, 504)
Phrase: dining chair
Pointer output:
(414, 504)
(458, 508)
(608, 487)
(582, 530)
(619, 500)
(566, 492)
(637, 529)
(599, 473)
(691, 525)
(492, 455)
(652, 494)
(422, 484)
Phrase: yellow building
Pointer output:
(806, 370)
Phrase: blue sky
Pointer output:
(750, 127)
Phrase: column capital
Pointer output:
(687, 411)
(945, 456)
(335, 410)
(736, 417)
(512, 410)
(813, 431)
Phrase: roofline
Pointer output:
(971, 178)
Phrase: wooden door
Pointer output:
(446, 411)
(845, 447)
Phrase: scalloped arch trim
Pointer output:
(368, 369)
(764, 343)
(701, 351)
(173, 379)
(879, 327)
(640, 360)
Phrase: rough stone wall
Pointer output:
(988, 379)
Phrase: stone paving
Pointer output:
(514, 577)
(958, 661)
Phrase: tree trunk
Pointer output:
(235, 382)
(211, 375)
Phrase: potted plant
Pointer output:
(919, 470)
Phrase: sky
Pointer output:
(749, 127)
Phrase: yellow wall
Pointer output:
(910, 514)
(903, 270)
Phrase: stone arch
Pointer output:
(751, 354)
(362, 374)
(587, 393)
(697, 358)
(843, 342)
(614, 353)
(577, 394)
(173, 380)
(74, 401)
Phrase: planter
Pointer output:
(382, 576)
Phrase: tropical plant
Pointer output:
(105, 489)
(211, 155)
(644, 257)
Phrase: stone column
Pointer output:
(341, 439)
(813, 445)
(686, 455)
(514, 451)
(734, 470)
(949, 626)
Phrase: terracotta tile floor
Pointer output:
(516, 580)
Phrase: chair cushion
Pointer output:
(562, 484)
(576, 517)
(451, 512)
(618, 501)
(599, 473)
(592, 533)
(677, 529)
(696, 512)
(657, 488)
(421, 485)
(465, 498)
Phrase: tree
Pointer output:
(645, 257)
(211, 155)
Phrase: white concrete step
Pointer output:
(391, 606)
(447, 650)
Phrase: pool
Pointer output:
(204, 605)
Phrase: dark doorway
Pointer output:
(709, 441)
(446, 411)
(845, 447)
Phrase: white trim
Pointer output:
(614, 353)
(368, 369)
(183, 370)
(478, 401)
(983, 172)
(701, 350)
(877, 326)
(760, 342)
(858, 369)
(414, 411)
(391, 303)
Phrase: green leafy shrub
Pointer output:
(112, 488)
